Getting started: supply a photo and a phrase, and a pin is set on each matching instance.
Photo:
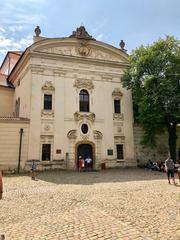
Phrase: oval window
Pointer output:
(84, 128)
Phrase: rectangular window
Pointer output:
(47, 102)
(46, 152)
(117, 106)
(119, 149)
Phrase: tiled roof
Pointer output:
(3, 77)
(4, 82)
(13, 57)
(17, 52)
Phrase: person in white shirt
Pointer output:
(88, 163)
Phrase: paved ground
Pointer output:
(111, 204)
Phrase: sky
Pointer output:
(136, 22)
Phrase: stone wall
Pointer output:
(142, 154)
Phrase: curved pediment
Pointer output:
(80, 48)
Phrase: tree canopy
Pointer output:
(154, 78)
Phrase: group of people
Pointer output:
(168, 166)
(85, 164)
(155, 166)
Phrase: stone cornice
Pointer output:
(59, 71)
(47, 43)
(34, 50)
(80, 59)
(7, 87)
(37, 69)
(14, 120)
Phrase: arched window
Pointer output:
(84, 101)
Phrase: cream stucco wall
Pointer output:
(6, 101)
(9, 143)
(23, 92)
(62, 74)
(56, 67)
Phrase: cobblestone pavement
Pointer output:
(129, 204)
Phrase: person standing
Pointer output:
(89, 163)
(81, 161)
(177, 165)
(169, 166)
(1, 184)
(178, 171)
(33, 170)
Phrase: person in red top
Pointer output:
(1, 184)
(81, 162)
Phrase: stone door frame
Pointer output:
(93, 151)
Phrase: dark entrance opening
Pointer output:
(46, 152)
(85, 151)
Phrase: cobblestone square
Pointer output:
(125, 204)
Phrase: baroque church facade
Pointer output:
(62, 98)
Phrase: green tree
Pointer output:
(154, 78)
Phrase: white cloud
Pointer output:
(3, 51)
(4, 42)
(98, 28)
(99, 37)
(15, 28)
(23, 19)
(18, 19)
(26, 41)
(11, 44)
(19, 12)
(2, 29)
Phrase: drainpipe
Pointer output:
(20, 144)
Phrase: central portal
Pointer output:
(85, 151)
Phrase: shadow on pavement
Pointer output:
(103, 176)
